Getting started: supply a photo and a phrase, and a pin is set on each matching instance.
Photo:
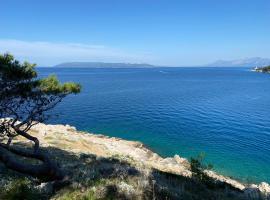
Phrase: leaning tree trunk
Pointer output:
(47, 170)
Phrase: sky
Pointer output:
(160, 32)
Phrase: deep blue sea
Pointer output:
(222, 112)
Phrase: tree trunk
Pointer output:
(29, 137)
(47, 170)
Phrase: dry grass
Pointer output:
(92, 177)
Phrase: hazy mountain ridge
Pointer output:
(103, 65)
(246, 62)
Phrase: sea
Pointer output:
(222, 113)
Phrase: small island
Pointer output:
(265, 69)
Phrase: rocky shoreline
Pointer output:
(67, 138)
(265, 69)
(110, 146)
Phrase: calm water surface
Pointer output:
(223, 112)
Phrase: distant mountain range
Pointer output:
(247, 62)
(103, 65)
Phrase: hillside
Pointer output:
(247, 62)
(101, 167)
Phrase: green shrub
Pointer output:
(198, 168)
(20, 189)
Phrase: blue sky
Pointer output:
(177, 33)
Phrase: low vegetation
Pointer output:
(21, 188)
(92, 177)
(198, 168)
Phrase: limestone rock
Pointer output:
(45, 187)
(264, 189)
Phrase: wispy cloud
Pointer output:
(49, 53)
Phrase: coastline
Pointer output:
(83, 144)
(261, 69)
(101, 145)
